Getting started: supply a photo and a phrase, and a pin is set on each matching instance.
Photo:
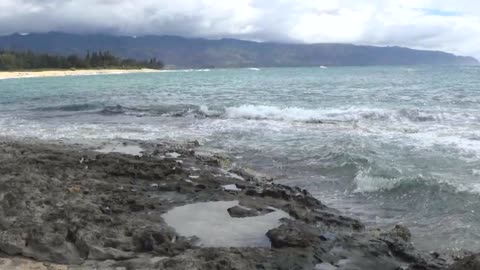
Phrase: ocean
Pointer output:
(387, 145)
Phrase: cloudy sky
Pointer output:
(449, 25)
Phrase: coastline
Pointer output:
(64, 73)
(122, 205)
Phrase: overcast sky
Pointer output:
(449, 25)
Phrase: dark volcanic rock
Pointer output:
(402, 232)
(88, 210)
(241, 212)
(471, 262)
(293, 234)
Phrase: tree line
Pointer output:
(13, 60)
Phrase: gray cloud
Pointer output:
(415, 23)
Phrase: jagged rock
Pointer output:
(27, 264)
(241, 212)
(293, 234)
(471, 262)
(12, 242)
(66, 204)
(402, 232)
(325, 266)
(98, 253)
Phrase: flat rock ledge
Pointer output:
(70, 207)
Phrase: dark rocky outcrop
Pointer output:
(62, 204)
(294, 234)
(471, 262)
(242, 212)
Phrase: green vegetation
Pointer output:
(10, 60)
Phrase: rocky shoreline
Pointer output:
(76, 207)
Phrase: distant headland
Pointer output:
(180, 52)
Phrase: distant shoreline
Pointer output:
(64, 73)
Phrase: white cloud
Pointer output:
(427, 24)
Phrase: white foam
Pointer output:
(448, 136)
(475, 188)
(206, 111)
(235, 176)
(347, 114)
(262, 112)
(174, 155)
(128, 149)
(212, 224)
(232, 187)
(232, 175)
(189, 70)
(271, 112)
(366, 183)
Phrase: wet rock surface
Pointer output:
(242, 211)
(70, 207)
(470, 262)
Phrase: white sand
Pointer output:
(62, 73)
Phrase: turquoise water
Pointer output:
(385, 144)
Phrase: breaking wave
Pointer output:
(369, 181)
(181, 110)
(365, 181)
(264, 112)
(261, 112)
(368, 175)
(72, 107)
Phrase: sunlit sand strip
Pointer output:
(62, 73)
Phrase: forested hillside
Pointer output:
(16, 60)
(179, 52)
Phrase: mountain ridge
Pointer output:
(182, 52)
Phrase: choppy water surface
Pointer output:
(386, 144)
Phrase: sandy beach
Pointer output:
(62, 73)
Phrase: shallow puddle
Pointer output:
(212, 224)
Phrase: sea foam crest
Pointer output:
(265, 112)
(368, 183)
(261, 112)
